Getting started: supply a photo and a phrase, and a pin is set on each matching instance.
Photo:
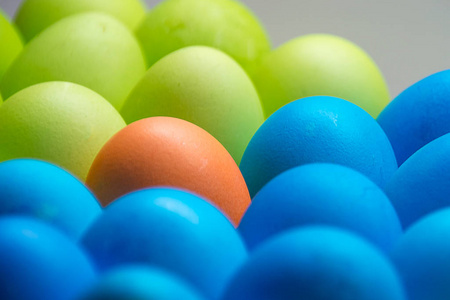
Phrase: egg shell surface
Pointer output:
(165, 151)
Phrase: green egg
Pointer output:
(91, 49)
(204, 86)
(320, 65)
(10, 43)
(224, 24)
(60, 122)
(34, 16)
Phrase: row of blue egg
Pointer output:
(325, 222)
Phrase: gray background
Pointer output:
(408, 39)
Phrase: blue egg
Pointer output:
(418, 115)
(422, 184)
(41, 190)
(316, 263)
(141, 283)
(422, 257)
(321, 194)
(171, 229)
(318, 129)
(39, 262)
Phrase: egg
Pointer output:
(223, 24)
(320, 64)
(165, 151)
(11, 44)
(169, 229)
(418, 115)
(204, 86)
(321, 194)
(421, 257)
(33, 16)
(139, 282)
(42, 190)
(39, 262)
(316, 263)
(420, 186)
(318, 129)
(60, 122)
(91, 49)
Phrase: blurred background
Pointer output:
(408, 39)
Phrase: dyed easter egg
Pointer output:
(60, 122)
(33, 16)
(39, 262)
(204, 86)
(325, 194)
(318, 129)
(41, 190)
(140, 283)
(171, 229)
(223, 24)
(11, 44)
(91, 49)
(421, 257)
(164, 151)
(418, 115)
(420, 186)
(316, 263)
(320, 64)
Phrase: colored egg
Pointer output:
(420, 186)
(39, 262)
(422, 259)
(11, 44)
(171, 229)
(324, 194)
(320, 64)
(33, 16)
(418, 115)
(164, 151)
(140, 283)
(204, 86)
(91, 49)
(318, 129)
(223, 24)
(316, 263)
(60, 122)
(41, 190)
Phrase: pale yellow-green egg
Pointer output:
(60, 122)
(10, 43)
(91, 49)
(320, 64)
(224, 24)
(34, 16)
(204, 86)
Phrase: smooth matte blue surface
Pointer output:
(141, 283)
(418, 115)
(40, 262)
(170, 229)
(422, 184)
(42, 190)
(316, 263)
(325, 194)
(422, 257)
(318, 129)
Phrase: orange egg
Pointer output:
(164, 151)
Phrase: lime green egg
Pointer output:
(10, 43)
(204, 86)
(91, 49)
(320, 65)
(224, 24)
(60, 122)
(34, 16)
